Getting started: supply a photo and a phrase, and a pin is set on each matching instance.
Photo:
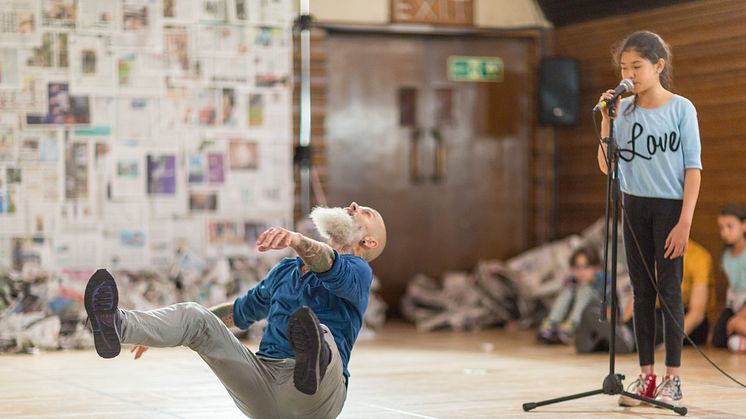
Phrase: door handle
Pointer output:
(414, 155)
(439, 163)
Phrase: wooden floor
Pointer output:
(398, 374)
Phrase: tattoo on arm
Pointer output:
(317, 256)
(224, 313)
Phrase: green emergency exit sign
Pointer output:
(489, 69)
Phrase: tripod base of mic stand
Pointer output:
(612, 386)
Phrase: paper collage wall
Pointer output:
(131, 128)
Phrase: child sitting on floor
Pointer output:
(584, 286)
(730, 330)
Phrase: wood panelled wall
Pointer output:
(708, 40)
(318, 110)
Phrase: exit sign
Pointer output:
(488, 69)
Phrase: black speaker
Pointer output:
(559, 91)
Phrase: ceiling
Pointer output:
(566, 12)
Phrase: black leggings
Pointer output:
(651, 220)
(698, 335)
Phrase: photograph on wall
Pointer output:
(161, 174)
(25, 250)
(129, 247)
(271, 38)
(203, 201)
(77, 174)
(19, 23)
(10, 69)
(8, 138)
(267, 113)
(215, 168)
(227, 238)
(141, 26)
(43, 220)
(181, 11)
(128, 177)
(101, 150)
(178, 54)
(62, 107)
(229, 113)
(29, 150)
(197, 169)
(10, 203)
(213, 10)
(256, 110)
(132, 238)
(207, 111)
(252, 230)
(30, 97)
(177, 110)
(243, 155)
(52, 53)
(96, 15)
(241, 10)
(271, 70)
(13, 175)
(39, 146)
(49, 147)
(58, 13)
(91, 65)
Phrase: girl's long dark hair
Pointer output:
(651, 47)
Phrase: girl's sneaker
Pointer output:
(670, 391)
(644, 386)
(737, 343)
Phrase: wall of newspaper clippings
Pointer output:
(131, 128)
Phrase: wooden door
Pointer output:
(445, 162)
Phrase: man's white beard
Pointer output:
(337, 225)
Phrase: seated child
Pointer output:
(585, 285)
(730, 330)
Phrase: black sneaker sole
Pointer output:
(101, 303)
(306, 338)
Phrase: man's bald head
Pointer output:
(360, 228)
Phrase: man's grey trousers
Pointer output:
(261, 387)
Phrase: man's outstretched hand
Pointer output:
(316, 255)
(277, 238)
(139, 350)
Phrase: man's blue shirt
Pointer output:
(338, 297)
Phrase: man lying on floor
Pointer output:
(314, 305)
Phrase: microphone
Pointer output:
(625, 86)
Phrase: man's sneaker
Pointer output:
(312, 353)
(644, 386)
(101, 300)
(670, 391)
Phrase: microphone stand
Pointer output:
(612, 384)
